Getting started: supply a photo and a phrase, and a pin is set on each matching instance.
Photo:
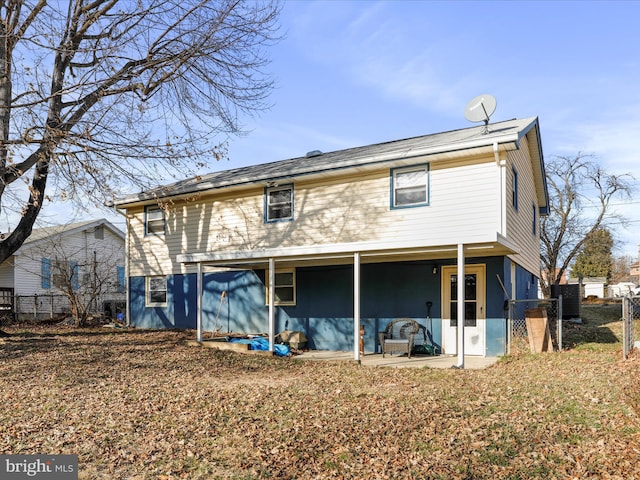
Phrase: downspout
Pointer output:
(502, 181)
(126, 267)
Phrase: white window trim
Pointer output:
(293, 286)
(147, 290)
(269, 190)
(147, 220)
(424, 168)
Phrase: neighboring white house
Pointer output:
(621, 289)
(85, 256)
(590, 286)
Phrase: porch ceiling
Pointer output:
(325, 255)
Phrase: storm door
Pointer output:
(474, 309)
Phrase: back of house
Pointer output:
(359, 236)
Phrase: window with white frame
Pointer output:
(285, 287)
(156, 291)
(154, 220)
(410, 186)
(279, 203)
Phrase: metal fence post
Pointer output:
(509, 328)
(625, 328)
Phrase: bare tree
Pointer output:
(621, 269)
(580, 192)
(85, 280)
(111, 94)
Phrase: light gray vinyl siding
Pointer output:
(6, 274)
(519, 223)
(78, 247)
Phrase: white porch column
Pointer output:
(199, 307)
(272, 301)
(461, 281)
(356, 306)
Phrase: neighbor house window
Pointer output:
(66, 275)
(285, 288)
(410, 186)
(534, 225)
(514, 189)
(156, 291)
(154, 221)
(120, 279)
(279, 203)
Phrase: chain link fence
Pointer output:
(630, 324)
(517, 334)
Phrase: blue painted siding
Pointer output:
(324, 304)
(180, 311)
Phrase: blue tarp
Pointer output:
(261, 343)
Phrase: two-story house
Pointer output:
(328, 242)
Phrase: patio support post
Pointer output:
(460, 306)
(199, 307)
(272, 301)
(356, 306)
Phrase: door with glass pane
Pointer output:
(474, 309)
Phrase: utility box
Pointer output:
(571, 299)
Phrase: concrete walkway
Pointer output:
(399, 361)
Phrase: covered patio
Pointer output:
(271, 259)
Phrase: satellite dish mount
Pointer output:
(480, 109)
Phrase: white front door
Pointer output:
(474, 309)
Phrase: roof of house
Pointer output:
(39, 234)
(588, 280)
(504, 135)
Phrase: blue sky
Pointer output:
(355, 73)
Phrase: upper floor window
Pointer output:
(514, 189)
(534, 225)
(410, 186)
(279, 203)
(154, 220)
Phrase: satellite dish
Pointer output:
(480, 109)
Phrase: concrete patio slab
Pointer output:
(399, 361)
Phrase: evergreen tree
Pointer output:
(595, 258)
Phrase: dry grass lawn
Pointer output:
(142, 405)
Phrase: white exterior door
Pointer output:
(474, 308)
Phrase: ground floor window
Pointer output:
(285, 287)
(156, 291)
